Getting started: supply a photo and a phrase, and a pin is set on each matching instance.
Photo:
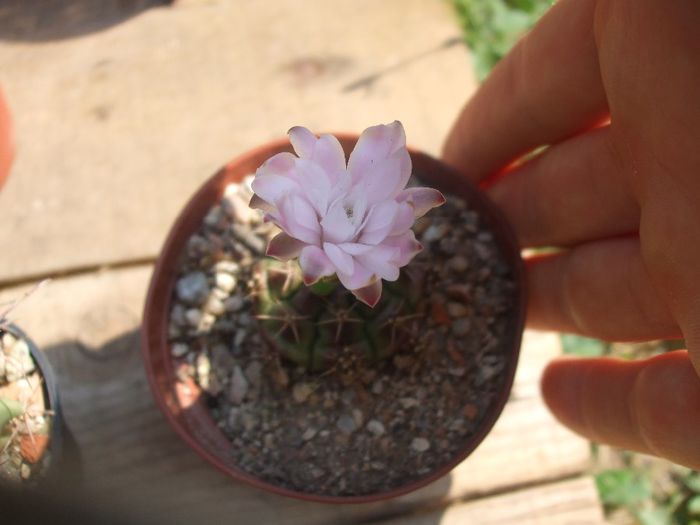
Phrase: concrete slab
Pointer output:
(116, 128)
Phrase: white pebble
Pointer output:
(179, 349)
(225, 281)
(420, 444)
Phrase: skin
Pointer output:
(612, 87)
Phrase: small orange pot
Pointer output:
(194, 424)
(7, 144)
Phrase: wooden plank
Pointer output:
(89, 327)
(572, 502)
(117, 128)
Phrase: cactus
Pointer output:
(314, 326)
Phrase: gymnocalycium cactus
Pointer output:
(347, 224)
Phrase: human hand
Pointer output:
(613, 87)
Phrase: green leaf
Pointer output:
(692, 481)
(693, 505)
(583, 346)
(622, 487)
(9, 408)
(654, 516)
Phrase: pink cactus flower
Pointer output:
(351, 220)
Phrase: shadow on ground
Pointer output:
(45, 20)
(132, 459)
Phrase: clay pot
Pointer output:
(7, 146)
(181, 402)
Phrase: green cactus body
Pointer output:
(314, 326)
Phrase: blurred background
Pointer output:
(122, 108)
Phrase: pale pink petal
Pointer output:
(296, 217)
(271, 188)
(337, 226)
(404, 219)
(258, 204)
(315, 264)
(303, 141)
(359, 278)
(375, 144)
(370, 294)
(421, 199)
(385, 178)
(279, 164)
(379, 223)
(315, 184)
(330, 156)
(380, 261)
(408, 247)
(354, 248)
(342, 260)
(284, 247)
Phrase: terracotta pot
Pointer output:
(7, 146)
(181, 403)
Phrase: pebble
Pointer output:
(203, 369)
(301, 392)
(457, 310)
(192, 288)
(213, 217)
(435, 232)
(239, 338)
(193, 316)
(460, 327)
(214, 305)
(458, 263)
(206, 321)
(269, 441)
(179, 349)
(253, 372)
(25, 471)
(309, 434)
(234, 303)
(18, 361)
(346, 424)
(408, 402)
(377, 387)
(225, 281)
(226, 266)
(248, 238)
(420, 444)
(375, 427)
(358, 417)
(236, 206)
(239, 386)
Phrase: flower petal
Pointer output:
(314, 264)
(404, 219)
(381, 261)
(337, 226)
(303, 141)
(284, 247)
(330, 156)
(342, 260)
(421, 199)
(379, 223)
(375, 143)
(370, 294)
(408, 247)
(298, 218)
(354, 248)
(359, 278)
(257, 203)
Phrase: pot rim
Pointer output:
(154, 326)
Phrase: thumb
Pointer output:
(651, 406)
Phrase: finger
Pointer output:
(572, 193)
(598, 289)
(650, 406)
(546, 89)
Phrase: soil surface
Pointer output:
(359, 425)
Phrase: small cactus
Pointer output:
(315, 325)
(347, 223)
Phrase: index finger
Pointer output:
(546, 89)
